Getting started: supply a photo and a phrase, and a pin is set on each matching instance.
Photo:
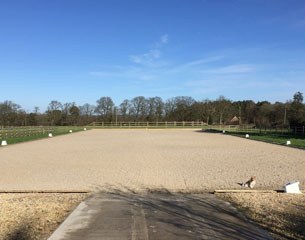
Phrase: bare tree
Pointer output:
(125, 109)
(263, 112)
(169, 109)
(54, 105)
(87, 109)
(139, 108)
(104, 108)
(155, 108)
(209, 110)
(74, 115)
(36, 110)
(54, 113)
(297, 110)
(66, 112)
(86, 112)
(223, 108)
(9, 113)
(179, 108)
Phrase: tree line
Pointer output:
(154, 109)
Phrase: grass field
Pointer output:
(17, 135)
(23, 134)
(274, 137)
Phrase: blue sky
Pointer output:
(81, 50)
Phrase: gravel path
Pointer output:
(172, 159)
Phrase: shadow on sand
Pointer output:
(185, 216)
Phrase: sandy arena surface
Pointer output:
(174, 159)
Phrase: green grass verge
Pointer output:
(25, 139)
(55, 132)
(297, 141)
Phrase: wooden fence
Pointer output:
(194, 124)
(172, 124)
(15, 132)
(200, 125)
(300, 130)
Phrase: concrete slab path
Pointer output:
(124, 215)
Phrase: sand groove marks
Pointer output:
(147, 158)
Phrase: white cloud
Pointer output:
(232, 69)
(239, 68)
(151, 58)
(146, 58)
(102, 73)
(195, 65)
(203, 61)
(164, 39)
(220, 73)
(128, 73)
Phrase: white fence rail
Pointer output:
(13, 132)
(16, 132)
(201, 125)
(194, 124)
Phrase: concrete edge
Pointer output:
(61, 231)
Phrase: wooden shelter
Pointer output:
(234, 121)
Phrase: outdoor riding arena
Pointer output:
(139, 159)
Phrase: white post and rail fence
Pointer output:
(300, 130)
(172, 124)
(29, 131)
(15, 132)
